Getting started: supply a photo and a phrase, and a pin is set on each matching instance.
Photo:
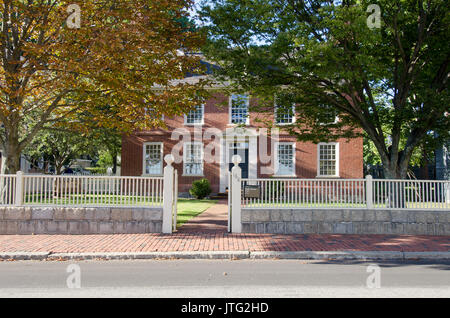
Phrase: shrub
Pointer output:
(200, 189)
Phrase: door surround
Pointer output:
(233, 135)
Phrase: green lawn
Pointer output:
(189, 208)
(303, 205)
(91, 199)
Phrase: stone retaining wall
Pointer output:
(345, 221)
(104, 220)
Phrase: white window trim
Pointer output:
(337, 160)
(144, 150)
(336, 119)
(230, 103)
(294, 174)
(196, 124)
(276, 115)
(184, 159)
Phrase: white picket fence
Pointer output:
(78, 191)
(7, 189)
(345, 193)
(304, 193)
(95, 191)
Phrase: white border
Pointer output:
(276, 117)
(238, 135)
(196, 124)
(144, 145)
(293, 174)
(337, 160)
(230, 99)
(184, 159)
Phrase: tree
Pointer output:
(324, 57)
(108, 143)
(59, 146)
(124, 54)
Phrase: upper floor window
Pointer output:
(153, 158)
(328, 159)
(330, 116)
(239, 109)
(284, 114)
(195, 117)
(285, 159)
(193, 159)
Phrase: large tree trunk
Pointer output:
(114, 157)
(58, 168)
(11, 156)
(394, 193)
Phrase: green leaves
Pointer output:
(389, 81)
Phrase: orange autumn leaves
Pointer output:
(105, 71)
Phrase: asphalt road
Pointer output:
(212, 278)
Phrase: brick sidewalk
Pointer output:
(220, 242)
(208, 232)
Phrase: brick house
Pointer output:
(143, 151)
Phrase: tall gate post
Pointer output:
(168, 195)
(369, 192)
(19, 189)
(236, 174)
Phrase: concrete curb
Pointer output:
(337, 255)
(311, 255)
(154, 255)
(427, 255)
(24, 256)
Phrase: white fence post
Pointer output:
(369, 191)
(168, 195)
(236, 174)
(175, 200)
(446, 190)
(19, 189)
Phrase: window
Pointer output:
(153, 153)
(285, 159)
(195, 117)
(284, 114)
(328, 160)
(239, 109)
(329, 115)
(193, 159)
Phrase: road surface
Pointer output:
(219, 278)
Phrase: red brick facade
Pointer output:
(216, 115)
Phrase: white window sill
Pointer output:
(327, 177)
(194, 125)
(240, 124)
(285, 175)
(192, 175)
(283, 124)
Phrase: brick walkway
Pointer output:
(220, 241)
(215, 219)
(208, 232)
